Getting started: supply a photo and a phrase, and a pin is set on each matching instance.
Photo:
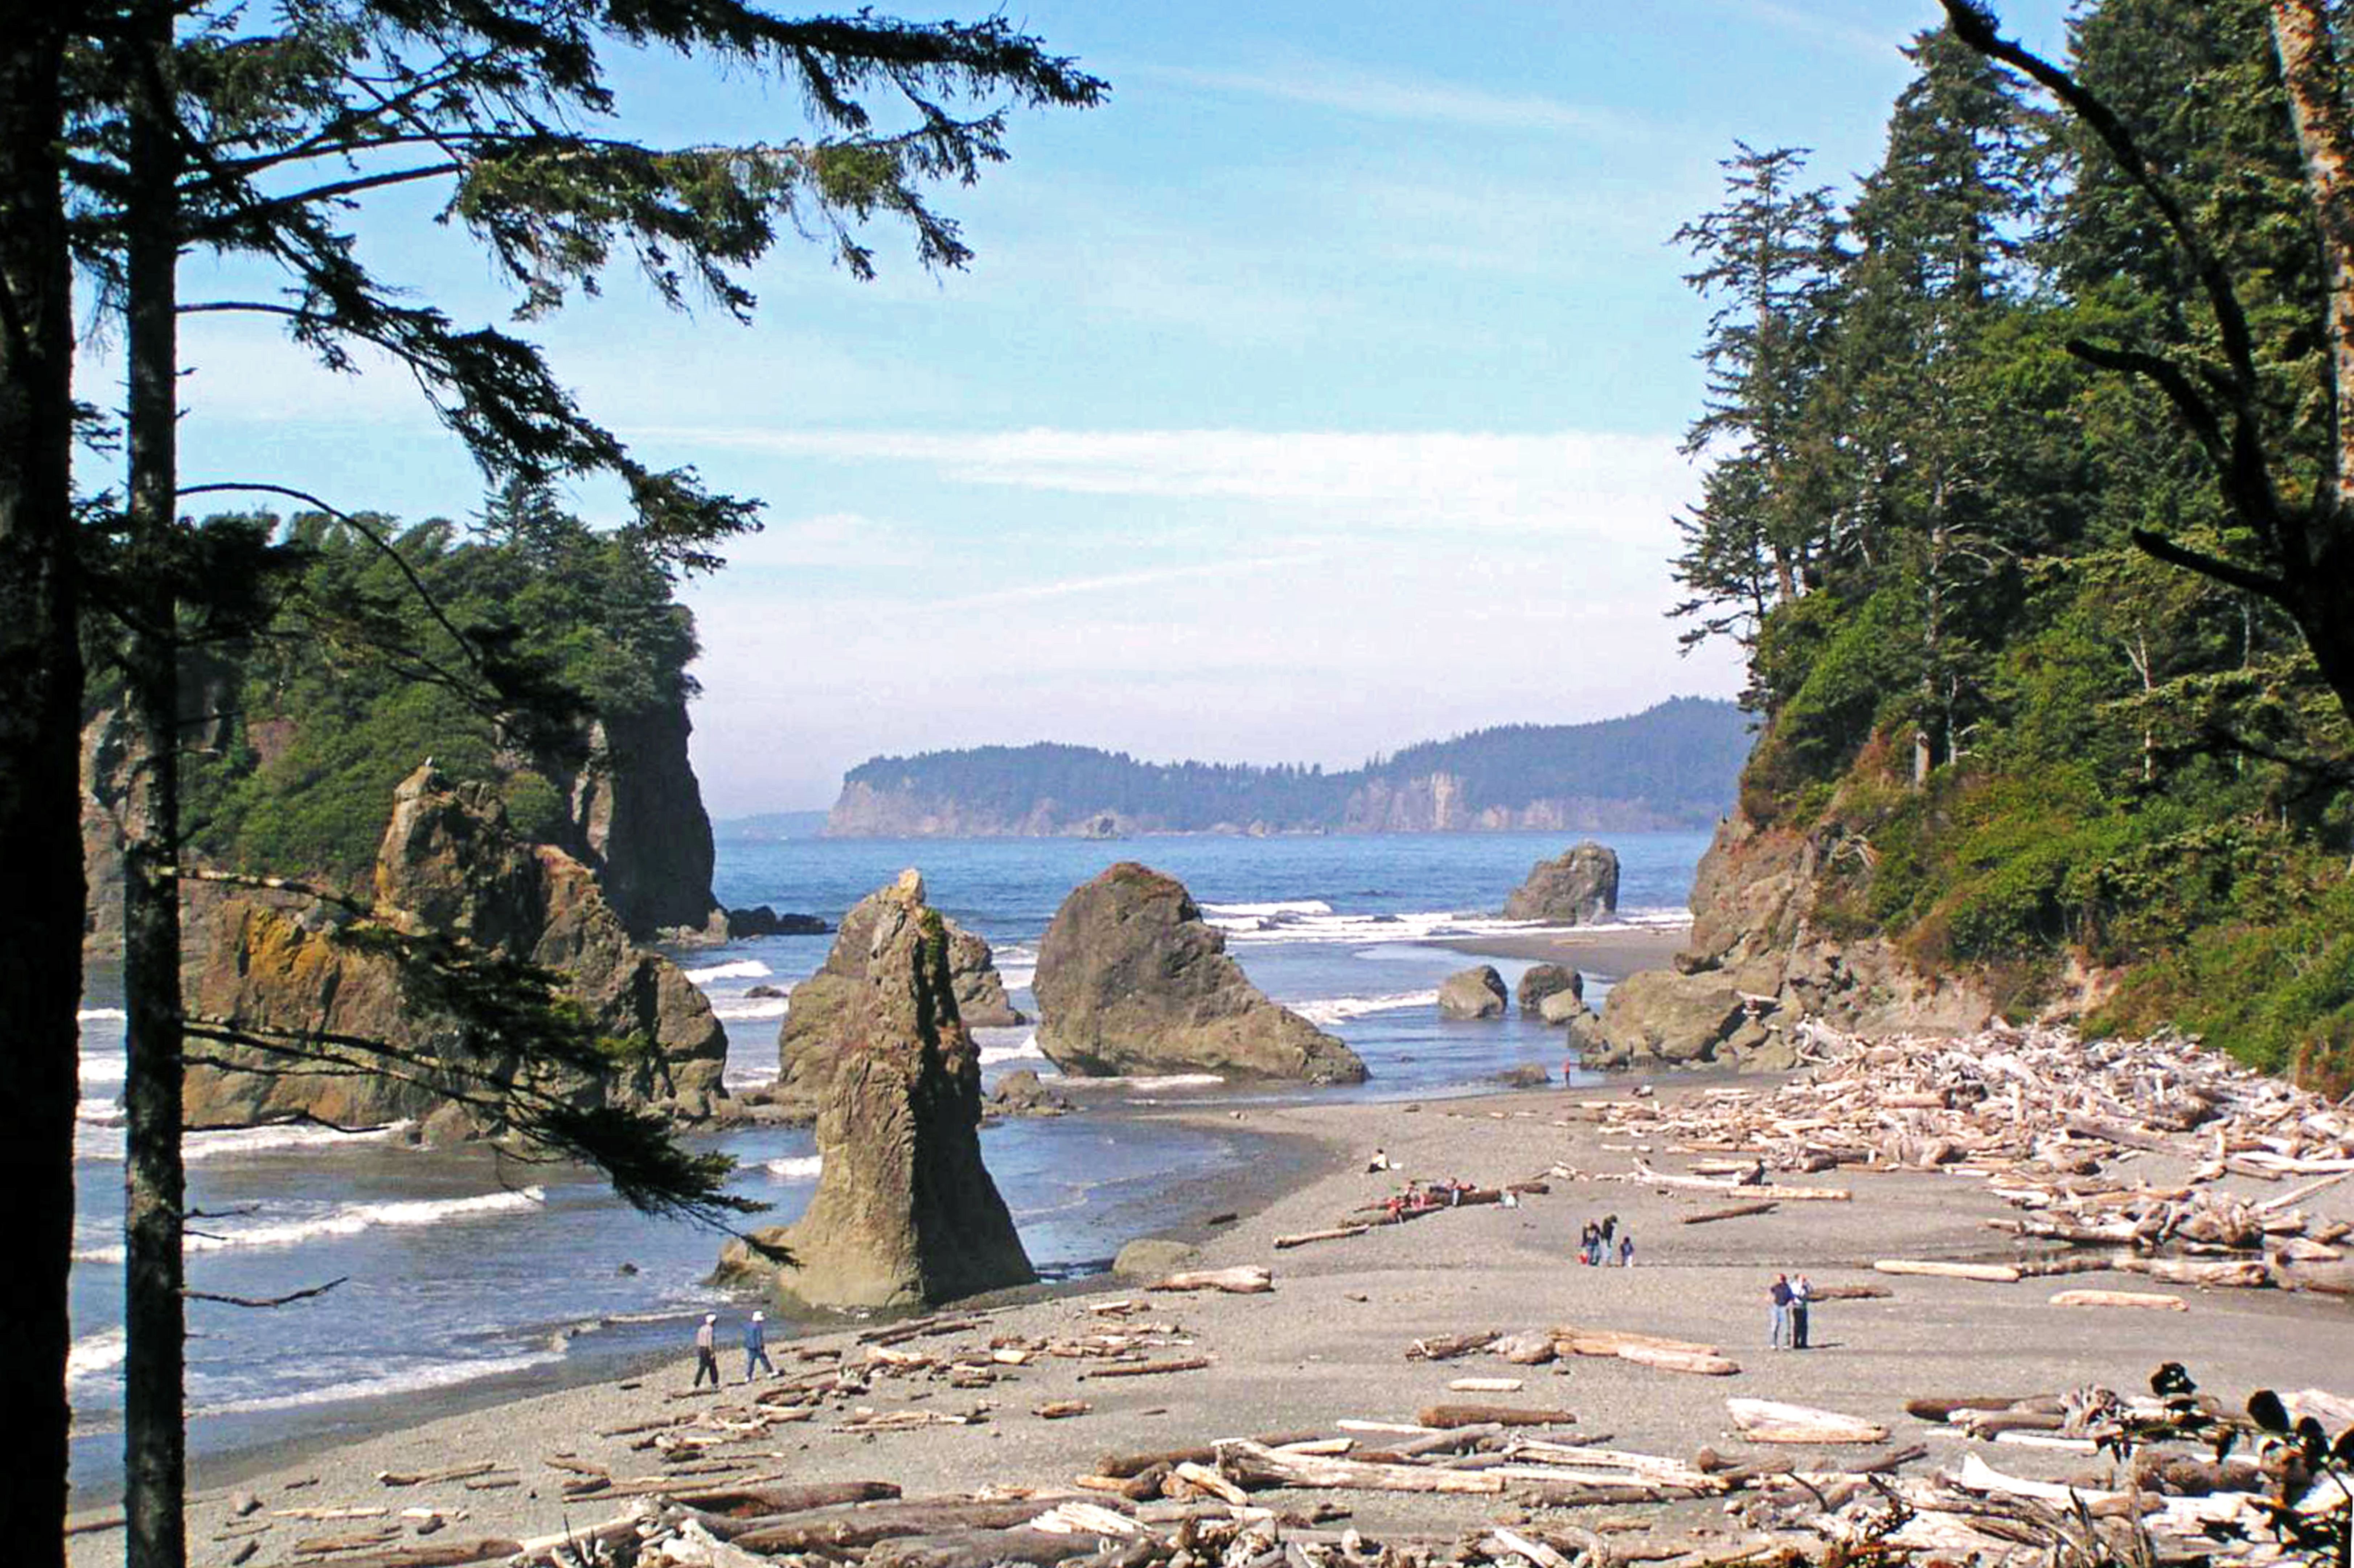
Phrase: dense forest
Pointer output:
(1672, 766)
(303, 717)
(2001, 448)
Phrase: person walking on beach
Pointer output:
(706, 1351)
(1626, 1249)
(1802, 1296)
(1778, 1335)
(756, 1345)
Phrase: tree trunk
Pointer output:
(154, 1439)
(40, 670)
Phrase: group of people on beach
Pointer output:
(1792, 1297)
(1602, 1242)
(756, 1348)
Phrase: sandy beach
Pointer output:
(1613, 950)
(1330, 1341)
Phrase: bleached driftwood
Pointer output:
(1770, 1421)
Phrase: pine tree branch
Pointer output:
(2160, 547)
(264, 1301)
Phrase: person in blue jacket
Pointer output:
(756, 1346)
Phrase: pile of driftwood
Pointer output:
(1794, 1489)
(2057, 1125)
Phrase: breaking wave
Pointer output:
(347, 1220)
(1341, 1009)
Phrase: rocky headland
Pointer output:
(297, 973)
(905, 1212)
(1760, 960)
(1132, 980)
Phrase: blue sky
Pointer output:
(1317, 396)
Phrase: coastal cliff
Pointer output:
(311, 981)
(1672, 766)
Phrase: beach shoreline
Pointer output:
(1329, 1342)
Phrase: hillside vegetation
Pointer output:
(1672, 766)
(2020, 741)
(301, 729)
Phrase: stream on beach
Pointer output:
(465, 1275)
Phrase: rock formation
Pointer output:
(1578, 887)
(1542, 980)
(823, 1010)
(1475, 993)
(638, 820)
(905, 1210)
(448, 863)
(760, 920)
(1668, 1017)
(1557, 1008)
(1132, 980)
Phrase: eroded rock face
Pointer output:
(637, 812)
(824, 1008)
(1476, 993)
(449, 862)
(1753, 906)
(1132, 980)
(905, 1210)
(1577, 888)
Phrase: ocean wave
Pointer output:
(412, 1380)
(749, 1075)
(1026, 1052)
(1423, 926)
(281, 1138)
(1341, 1009)
(100, 1113)
(758, 1007)
(795, 1167)
(735, 968)
(100, 1069)
(351, 1219)
(1251, 916)
(1016, 977)
(102, 1015)
(1168, 1081)
(95, 1355)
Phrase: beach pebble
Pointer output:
(242, 1503)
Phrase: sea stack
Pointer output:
(1133, 980)
(1577, 888)
(906, 1212)
(824, 1008)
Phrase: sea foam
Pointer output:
(1341, 1009)
(412, 1380)
(349, 1220)
(737, 968)
(795, 1167)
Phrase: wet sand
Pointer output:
(1329, 1342)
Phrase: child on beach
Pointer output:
(706, 1351)
(1626, 1249)
(756, 1346)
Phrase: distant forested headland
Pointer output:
(1673, 766)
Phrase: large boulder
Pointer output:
(1133, 980)
(298, 974)
(1664, 1016)
(1577, 888)
(824, 1008)
(979, 990)
(905, 1212)
(1543, 982)
(1476, 993)
(1562, 1007)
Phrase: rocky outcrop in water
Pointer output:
(1540, 981)
(638, 821)
(1476, 993)
(760, 920)
(1578, 887)
(905, 1210)
(823, 1013)
(1133, 980)
(448, 863)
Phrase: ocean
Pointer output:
(463, 1273)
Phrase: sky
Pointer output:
(1320, 394)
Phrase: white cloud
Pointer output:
(1375, 95)
(1068, 587)
(825, 539)
(1570, 482)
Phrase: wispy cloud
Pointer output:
(1252, 566)
(1573, 483)
(1877, 45)
(1375, 95)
